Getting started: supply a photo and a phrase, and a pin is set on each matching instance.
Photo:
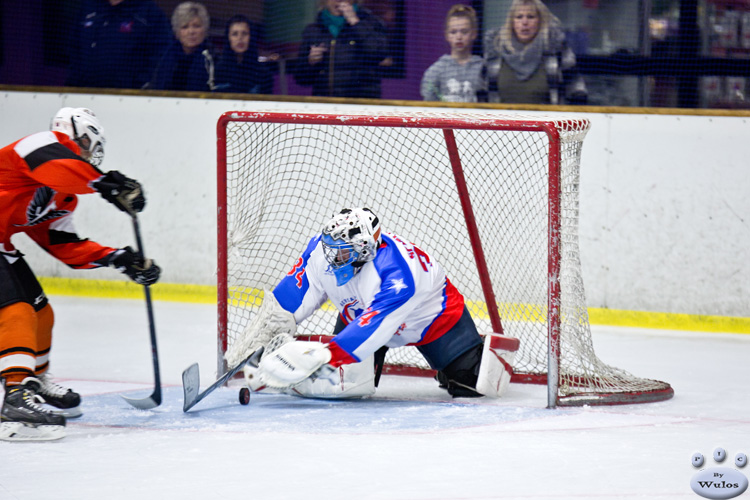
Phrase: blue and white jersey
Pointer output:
(402, 297)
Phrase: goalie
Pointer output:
(389, 293)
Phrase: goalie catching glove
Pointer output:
(142, 271)
(289, 365)
(123, 192)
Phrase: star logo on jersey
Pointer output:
(398, 285)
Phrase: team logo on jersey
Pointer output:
(42, 207)
(351, 310)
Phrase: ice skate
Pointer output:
(23, 418)
(59, 397)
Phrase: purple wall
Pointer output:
(24, 64)
(425, 43)
(24, 55)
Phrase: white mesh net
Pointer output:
(284, 180)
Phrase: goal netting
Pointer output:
(494, 198)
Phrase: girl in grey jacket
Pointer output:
(456, 77)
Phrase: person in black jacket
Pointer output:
(238, 69)
(117, 43)
(341, 51)
(188, 63)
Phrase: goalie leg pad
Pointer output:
(496, 367)
(355, 380)
(270, 320)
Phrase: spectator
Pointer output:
(456, 77)
(528, 60)
(341, 51)
(117, 43)
(238, 68)
(188, 63)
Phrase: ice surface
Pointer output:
(410, 441)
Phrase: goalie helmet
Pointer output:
(350, 239)
(82, 126)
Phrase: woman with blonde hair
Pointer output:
(529, 61)
(188, 63)
(456, 77)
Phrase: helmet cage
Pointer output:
(338, 253)
(350, 239)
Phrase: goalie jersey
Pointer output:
(402, 297)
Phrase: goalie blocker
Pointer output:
(300, 368)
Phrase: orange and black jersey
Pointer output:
(40, 176)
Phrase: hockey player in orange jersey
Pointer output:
(40, 178)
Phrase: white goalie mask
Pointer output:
(82, 126)
(350, 239)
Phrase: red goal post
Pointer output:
(493, 197)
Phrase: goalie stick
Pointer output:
(191, 381)
(154, 399)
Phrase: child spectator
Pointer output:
(456, 77)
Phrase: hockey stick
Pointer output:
(191, 381)
(154, 399)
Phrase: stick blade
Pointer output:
(191, 380)
(146, 403)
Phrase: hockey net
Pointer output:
(494, 198)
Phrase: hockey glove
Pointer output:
(142, 271)
(288, 365)
(124, 192)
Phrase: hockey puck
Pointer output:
(244, 396)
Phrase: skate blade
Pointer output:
(19, 431)
(68, 412)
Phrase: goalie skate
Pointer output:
(23, 418)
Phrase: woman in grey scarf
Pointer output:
(528, 60)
